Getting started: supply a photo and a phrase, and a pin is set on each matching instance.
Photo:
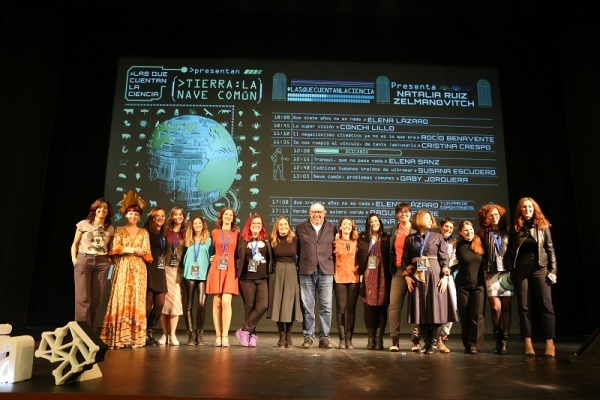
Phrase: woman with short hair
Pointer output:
(425, 262)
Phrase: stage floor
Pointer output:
(271, 372)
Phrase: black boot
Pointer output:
(349, 334)
(189, 325)
(200, 324)
(379, 339)
(371, 339)
(199, 339)
(151, 321)
(191, 338)
(498, 338)
(426, 335)
(342, 335)
(281, 330)
(288, 334)
(504, 343)
(433, 337)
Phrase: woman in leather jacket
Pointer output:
(535, 270)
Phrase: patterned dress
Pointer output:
(173, 299)
(376, 293)
(125, 320)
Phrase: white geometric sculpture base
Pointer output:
(77, 357)
(16, 356)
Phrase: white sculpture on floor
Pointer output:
(16, 356)
(76, 352)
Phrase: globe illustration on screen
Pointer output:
(193, 159)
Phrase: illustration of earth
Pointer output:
(193, 159)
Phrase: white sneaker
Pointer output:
(173, 340)
(162, 340)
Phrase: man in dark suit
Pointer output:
(315, 267)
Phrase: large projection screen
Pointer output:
(272, 137)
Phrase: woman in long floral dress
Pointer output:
(124, 324)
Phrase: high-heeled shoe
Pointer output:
(163, 339)
(225, 341)
(218, 342)
(550, 349)
(529, 351)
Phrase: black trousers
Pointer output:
(255, 294)
(471, 302)
(375, 316)
(530, 280)
(346, 295)
(190, 286)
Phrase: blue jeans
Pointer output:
(309, 286)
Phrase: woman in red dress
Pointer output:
(222, 281)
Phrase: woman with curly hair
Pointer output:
(222, 281)
(255, 256)
(346, 280)
(535, 270)
(284, 289)
(195, 268)
(470, 288)
(494, 233)
(89, 254)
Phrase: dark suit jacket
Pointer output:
(315, 250)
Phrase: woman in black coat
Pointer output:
(373, 258)
(426, 270)
(470, 288)
(535, 270)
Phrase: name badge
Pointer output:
(372, 262)
(161, 262)
(253, 265)
(422, 264)
(174, 260)
(195, 270)
(223, 263)
(499, 264)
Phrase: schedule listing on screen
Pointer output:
(272, 137)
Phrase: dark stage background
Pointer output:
(59, 65)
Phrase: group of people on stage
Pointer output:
(159, 268)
